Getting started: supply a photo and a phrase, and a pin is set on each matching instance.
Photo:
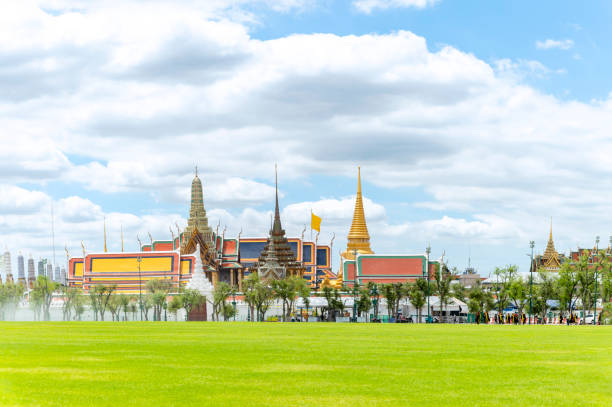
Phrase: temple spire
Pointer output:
(551, 257)
(197, 215)
(358, 237)
(276, 227)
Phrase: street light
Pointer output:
(428, 251)
(531, 245)
(234, 303)
(355, 287)
(374, 296)
(596, 276)
(139, 259)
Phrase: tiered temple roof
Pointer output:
(277, 249)
(550, 258)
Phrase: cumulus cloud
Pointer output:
(367, 6)
(555, 44)
(140, 101)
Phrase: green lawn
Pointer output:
(273, 364)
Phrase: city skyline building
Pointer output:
(21, 277)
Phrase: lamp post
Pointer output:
(374, 294)
(531, 245)
(355, 287)
(428, 251)
(596, 276)
(139, 259)
(234, 303)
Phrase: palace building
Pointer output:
(223, 259)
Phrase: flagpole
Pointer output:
(311, 224)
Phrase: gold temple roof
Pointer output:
(551, 256)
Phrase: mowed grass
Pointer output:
(292, 364)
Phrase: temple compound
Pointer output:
(552, 260)
(223, 259)
(359, 265)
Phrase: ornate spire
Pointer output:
(197, 214)
(358, 237)
(551, 257)
(277, 259)
(277, 227)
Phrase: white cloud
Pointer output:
(555, 44)
(95, 98)
(367, 6)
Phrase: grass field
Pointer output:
(242, 364)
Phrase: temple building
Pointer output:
(277, 260)
(550, 260)
(223, 259)
(360, 265)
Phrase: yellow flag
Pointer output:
(315, 222)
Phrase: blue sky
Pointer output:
(474, 122)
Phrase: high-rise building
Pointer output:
(21, 269)
(42, 267)
(31, 272)
(8, 272)
(56, 275)
(50, 271)
(63, 276)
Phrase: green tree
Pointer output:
(124, 303)
(100, 296)
(11, 295)
(390, 296)
(159, 288)
(373, 289)
(365, 302)
(545, 290)
(250, 294)
(286, 291)
(443, 280)
(147, 304)
(264, 297)
(43, 289)
(190, 299)
(175, 305)
(518, 294)
(479, 299)
(220, 294)
(417, 295)
(304, 293)
(334, 303)
(78, 306)
(459, 292)
(586, 282)
(114, 306)
(70, 295)
(503, 280)
(568, 287)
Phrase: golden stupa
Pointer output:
(358, 237)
